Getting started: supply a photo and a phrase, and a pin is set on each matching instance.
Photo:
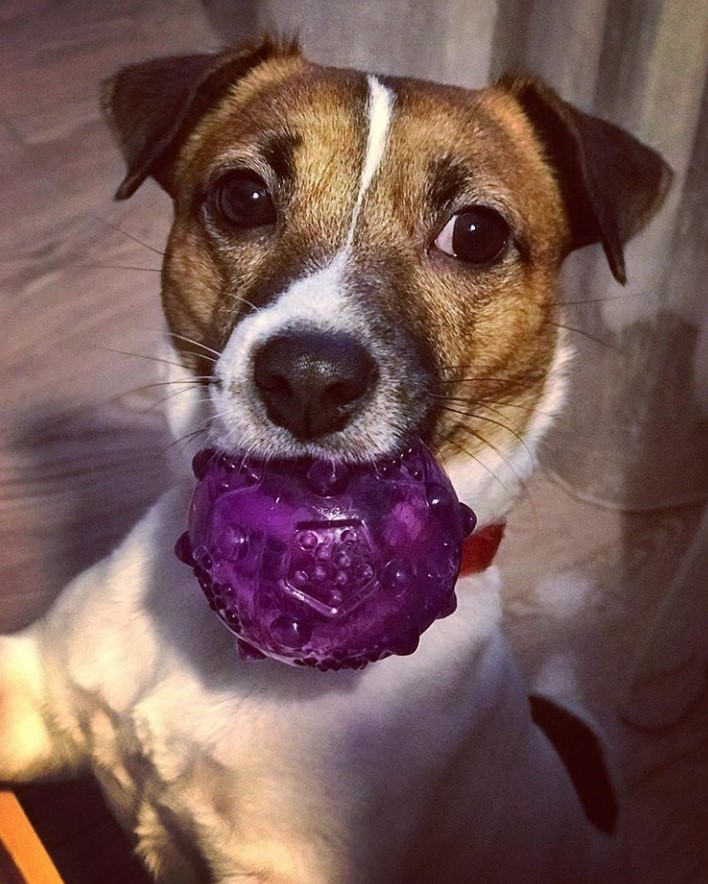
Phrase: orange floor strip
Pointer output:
(22, 845)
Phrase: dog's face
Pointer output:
(356, 259)
(362, 253)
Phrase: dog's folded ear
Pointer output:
(611, 183)
(152, 106)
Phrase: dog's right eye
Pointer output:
(242, 199)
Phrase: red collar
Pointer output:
(479, 549)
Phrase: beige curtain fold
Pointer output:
(636, 434)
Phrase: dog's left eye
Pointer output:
(242, 199)
(478, 235)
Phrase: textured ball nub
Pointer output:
(325, 564)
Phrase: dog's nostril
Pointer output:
(272, 382)
(313, 383)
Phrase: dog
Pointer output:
(355, 260)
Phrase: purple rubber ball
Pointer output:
(325, 564)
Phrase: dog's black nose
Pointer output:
(313, 382)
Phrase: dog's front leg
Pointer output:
(30, 747)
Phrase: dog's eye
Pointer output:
(242, 199)
(478, 235)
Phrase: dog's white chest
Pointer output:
(264, 760)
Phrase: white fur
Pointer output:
(379, 112)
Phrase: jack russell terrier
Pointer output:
(355, 260)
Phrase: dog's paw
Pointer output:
(169, 860)
(26, 749)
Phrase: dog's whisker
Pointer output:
(142, 356)
(117, 267)
(238, 300)
(450, 369)
(124, 233)
(208, 441)
(582, 301)
(490, 406)
(472, 379)
(186, 438)
(205, 356)
(508, 429)
(487, 403)
(476, 416)
(222, 415)
(199, 344)
(453, 410)
(557, 418)
(184, 387)
(588, 335)
(190, 382)
(503, 457)
(242, 300)
(202, 400)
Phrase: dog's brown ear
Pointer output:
(611, 183)
(151, 107)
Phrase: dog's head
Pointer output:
(357, 259)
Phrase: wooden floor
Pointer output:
(82, 443)
(86, 844)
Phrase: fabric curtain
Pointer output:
(636, 430)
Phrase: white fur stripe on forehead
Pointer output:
(379, 109)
